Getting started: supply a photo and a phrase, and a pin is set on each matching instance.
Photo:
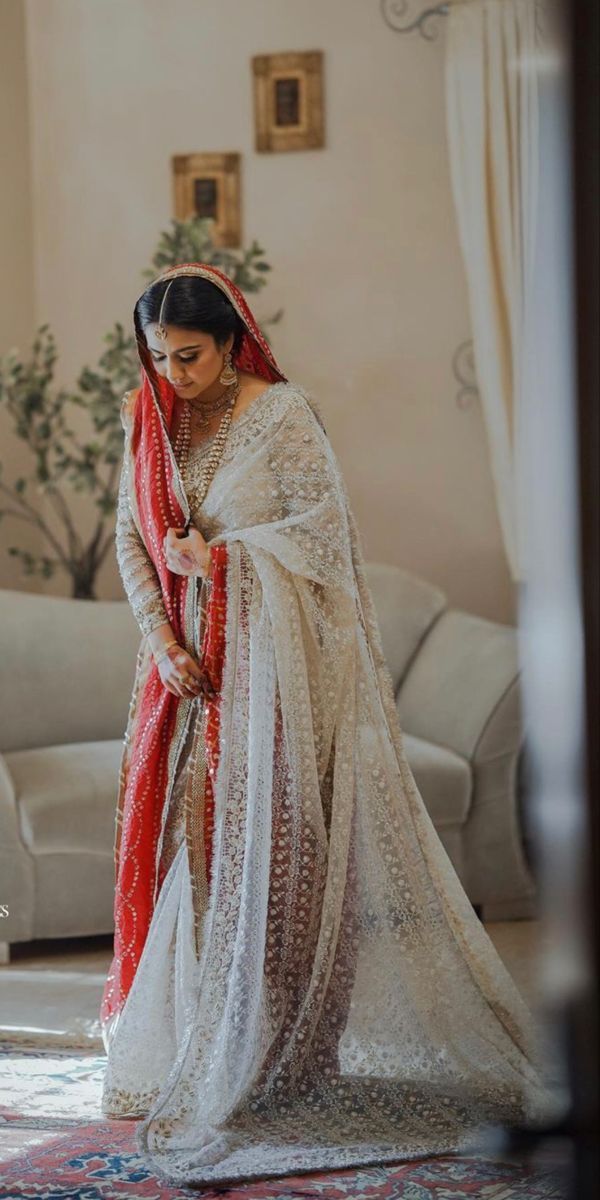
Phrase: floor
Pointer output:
(51, 990)
(50, 995)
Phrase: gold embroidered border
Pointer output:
(194, 802)
(186, 709)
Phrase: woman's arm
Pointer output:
(137, 570)
(138, 573)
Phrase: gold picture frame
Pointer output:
(288, 101)
(208, 185)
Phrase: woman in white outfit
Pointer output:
(299, 980)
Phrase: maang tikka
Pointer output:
(161, 331)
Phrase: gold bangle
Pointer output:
(163, 653)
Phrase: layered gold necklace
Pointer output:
(226, 403)
(202, 414)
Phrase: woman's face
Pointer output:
(190, 359)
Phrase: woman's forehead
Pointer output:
(177, 338)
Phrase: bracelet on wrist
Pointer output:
(164, 651)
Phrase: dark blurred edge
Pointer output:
(582, 1021)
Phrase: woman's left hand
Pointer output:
(186, 555)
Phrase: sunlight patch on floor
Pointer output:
(51, 1088)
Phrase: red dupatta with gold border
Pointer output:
(161, 503)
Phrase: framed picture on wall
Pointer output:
(288, 101)
(208, 185)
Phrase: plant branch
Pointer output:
(60, 506)
(30, 514)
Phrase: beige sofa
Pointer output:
(67, 671)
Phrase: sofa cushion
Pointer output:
(406, 608)
(71, 666)
(66, 796)
(443, 778)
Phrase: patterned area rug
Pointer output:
(55, 1145)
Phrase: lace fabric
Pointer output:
(136, 568)
(345, 1006)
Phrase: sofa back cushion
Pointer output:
(67, 669)
(457, 681)
(68, 665)
(406, 608)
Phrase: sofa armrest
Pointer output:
(17, 889)
(498, 874)
(463, 692)
(10, 837)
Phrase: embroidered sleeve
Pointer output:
(138, 573)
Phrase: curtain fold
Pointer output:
(492, 123)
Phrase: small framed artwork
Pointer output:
(208, 185)
(288, 101)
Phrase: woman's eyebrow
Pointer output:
(156, 350)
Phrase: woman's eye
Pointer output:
(160, 358)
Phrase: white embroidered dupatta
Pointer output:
(347, 1007)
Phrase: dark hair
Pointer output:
(192, 303)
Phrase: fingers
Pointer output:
(208, 689)
(185, 555)
(172, 550)
(188, 688)
(186, 678)
(189, 667)
(185, 693)
(182, 564)
(178, 564)
(171, 539)
(172, 675)
(192, 668)
(179, 689)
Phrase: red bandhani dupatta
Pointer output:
(161, 503)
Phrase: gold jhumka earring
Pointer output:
(228, 375)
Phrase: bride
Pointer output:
(299, 982)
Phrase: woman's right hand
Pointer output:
(182, 675)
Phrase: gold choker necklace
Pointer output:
(207, 410)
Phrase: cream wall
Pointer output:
(16, 259)
(361, 235)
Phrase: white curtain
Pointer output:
(492, 116)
